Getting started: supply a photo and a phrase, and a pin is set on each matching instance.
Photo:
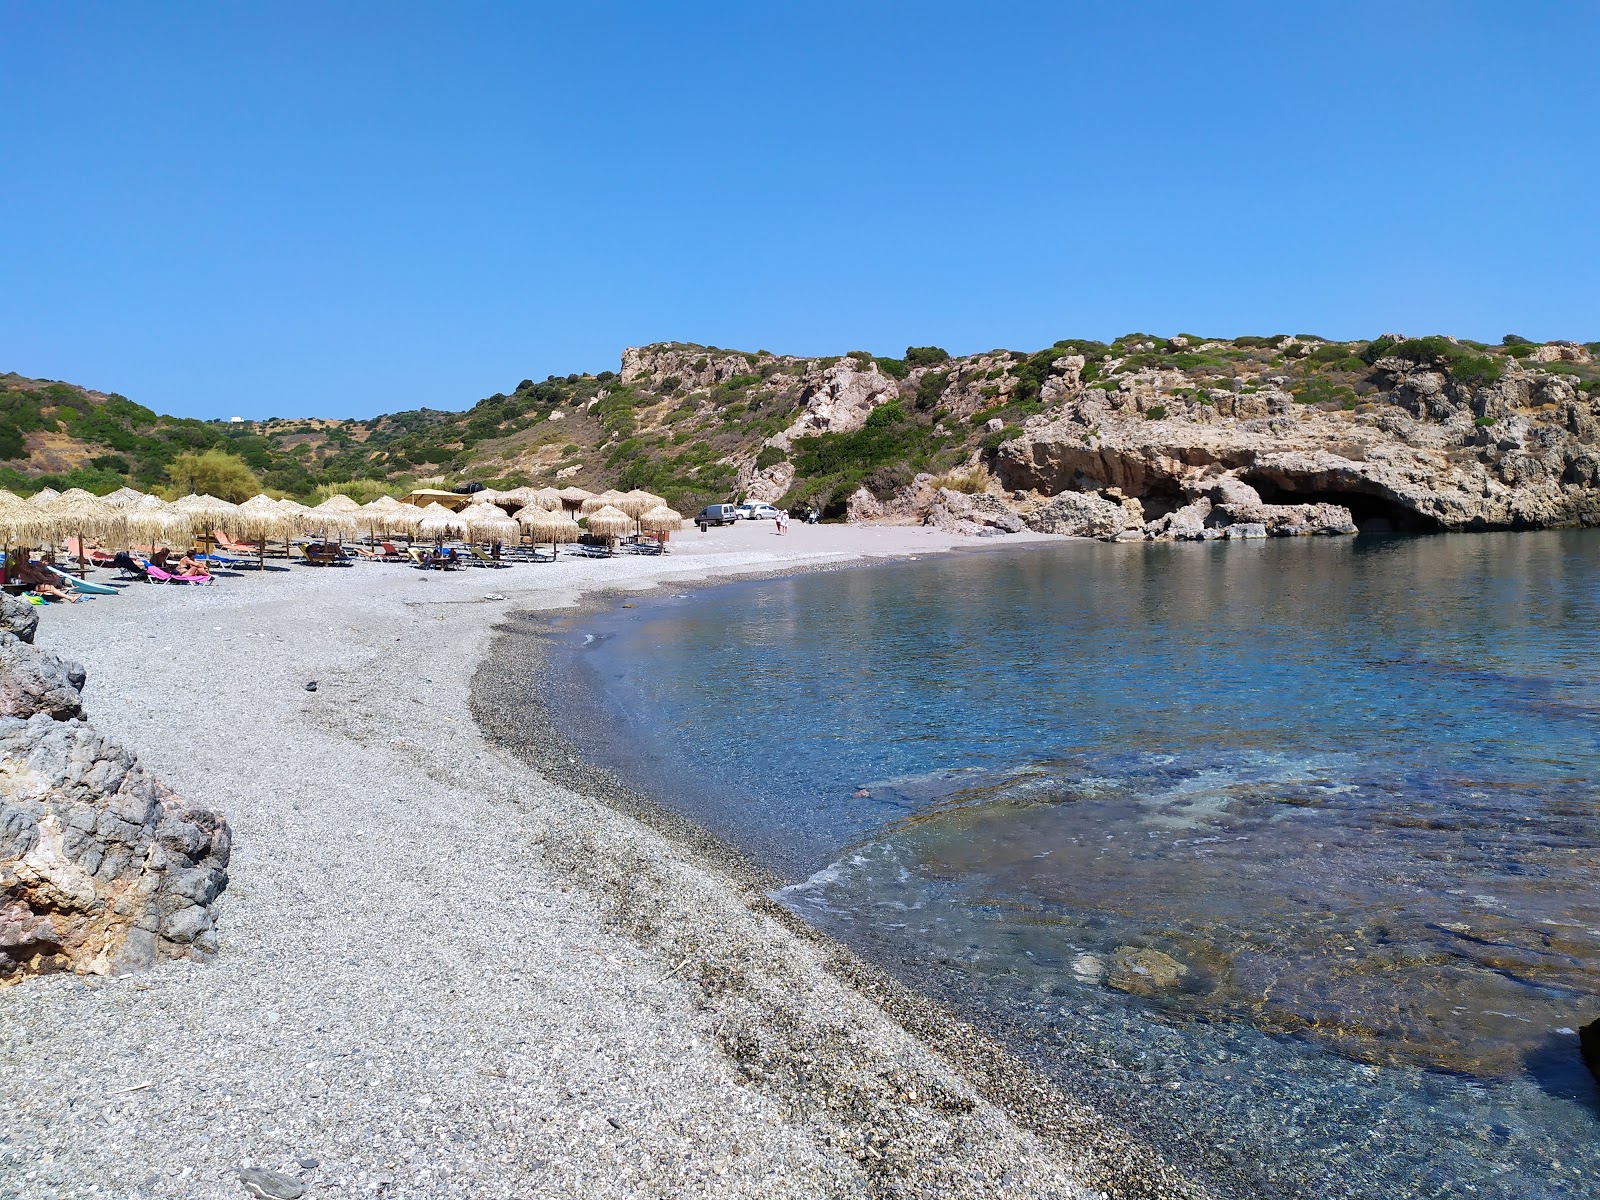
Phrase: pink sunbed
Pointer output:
(161, 576)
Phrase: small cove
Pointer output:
(1346, 786)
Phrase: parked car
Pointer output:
(716, 514)
(752, 511)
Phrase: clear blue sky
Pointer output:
(343, 209)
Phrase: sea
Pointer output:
(1284, 854)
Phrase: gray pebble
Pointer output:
(270, 1185)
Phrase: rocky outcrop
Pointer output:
(1520, 453)
(1084, 514)
(18, 617)
(972, 513)
(101, 868)
(838, 399)
(35, 681)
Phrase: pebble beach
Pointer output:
(445, 973)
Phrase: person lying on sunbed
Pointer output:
(38, 577)
(184, 566)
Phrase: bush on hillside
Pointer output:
(926, 356)
(213, 473)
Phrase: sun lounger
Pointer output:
(228, 546)
(157, 575)
(325, 555)
(480, 559)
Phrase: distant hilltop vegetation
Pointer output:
(1144, 436)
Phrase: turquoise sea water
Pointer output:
(1348, 790)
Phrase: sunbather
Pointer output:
(41, 579)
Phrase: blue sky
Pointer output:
(343, 209)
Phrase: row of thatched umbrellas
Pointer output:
(129, 517)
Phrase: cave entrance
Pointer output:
(1372, 514)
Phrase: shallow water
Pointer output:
(1284, 851)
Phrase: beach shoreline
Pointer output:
(445, 974)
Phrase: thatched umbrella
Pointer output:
(296, 512)
(21, 524)
(81, 512)
(610, 523)
(488, 522)
(44, 497)
(546, 526)
(661, 519)
(260, 518)
(206, 513)
(519, 497)
(548, 497)
(638, 502)
(573, 497)
(153, 521)
(123, 497)
(335, 518)
(438, 523)
(610, 498)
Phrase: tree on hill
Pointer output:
(213, 472)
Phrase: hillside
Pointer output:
(863, 435)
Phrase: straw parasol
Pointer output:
(262, 518)
(385, 515)
(332, 518)
(610, 498)
(661, 519)
(152, 520)
(546, 526)
(438, 523)
(206, 514)
(44, 497)
(123, 497)
(520, 497)
(80, 512)
(488, 522)
(21, 523)
(548, 497)
(610, 523)
(573, 497)
(638, 502)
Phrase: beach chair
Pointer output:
(130, 567)
(480, 559)
(157, 575)
(228, 546)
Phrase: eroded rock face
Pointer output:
(101, 868)
(971, 513)
(1520, 453)
(35, 681)
(1083, 514)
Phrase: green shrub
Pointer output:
(1261, 343)
(993, 441)
(1444, 355)
(1512, 339)
(926, 356)
(215, 473)
(770, 456)
(1483, 422)
(895, 368)
(930, 388)
(1156, 412)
